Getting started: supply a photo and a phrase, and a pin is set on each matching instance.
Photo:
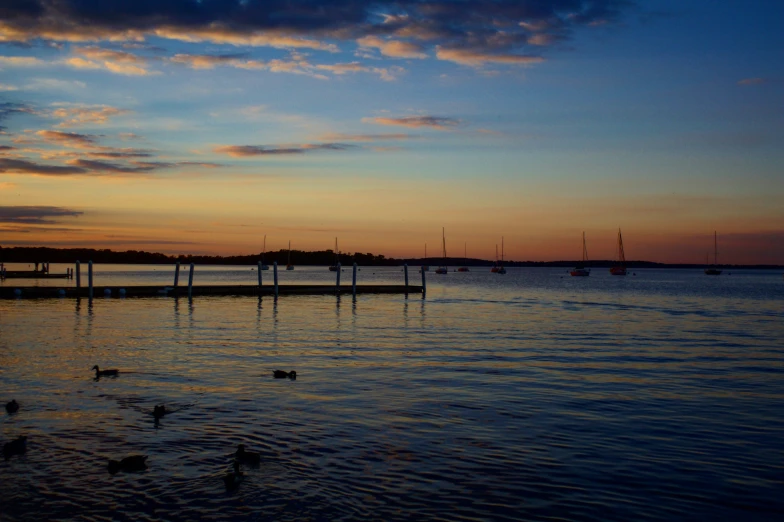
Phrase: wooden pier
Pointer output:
(37, 292)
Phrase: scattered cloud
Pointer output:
(367, 137)
(392, 48)
(433, 122)
(477, 58)
(8, 109)
(20, 61)
(119, 62)
(22, 166)
(40, 84)
(86, 114)
(69, 139)
(35, 215)
(4, 87)
(244, 151)
(752, 81)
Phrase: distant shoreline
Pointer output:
(301, 258)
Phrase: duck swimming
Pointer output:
(280, 374)
(159, 411)
(15, 447)
(233, 478)
(132, 463)
(104, 373)
(12, 407)
(247, 457)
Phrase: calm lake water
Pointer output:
(525, 396)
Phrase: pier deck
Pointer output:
(32, 292)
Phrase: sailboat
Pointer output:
(334, 268)
(425, 268)
(289, 266)
(494, 269)
(501, 269)
(465, 259)
(620, 268)
(264, 266)
(580, 269)
(442, 269)
(713, 270)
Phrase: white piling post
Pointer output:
(275, 275)
(424, 286)
(90, 278)
(354, 281)
(405, 269)
(78, 275)
(190, 283)
(176, 274)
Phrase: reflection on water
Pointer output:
(531, 396)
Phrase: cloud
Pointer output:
(752, 81)
(393, 48)
(22, 166)
(35, 215)
(8, 109)
(20, 61)
(69, 139)
(476, 58)
(367, 137)
(433, 122)
(114, 168)
(4, 87)
(54, 84)
(469, 32)
(244, 151)
(86, 114)
(119, 62)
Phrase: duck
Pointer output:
(247, 457)
(104, 373)
(159, 411)
(12, 407)
(15, 447)
(233, 478)
(280, 374)
(132, 463)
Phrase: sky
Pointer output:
(184, 126)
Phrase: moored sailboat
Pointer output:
(580, 270)
(712, 270)
(620, 268)
(264, 266)
(465, 259)
(501, 269)
(494, 268)
(289, 266)
(443, 269)
(334, 267)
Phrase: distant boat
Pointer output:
(289, 266)
(713, 270)
(501, 269)
(425, 268)
(442, 269)
(620, 268)
(263, 251)
(465, 259)
(580, 269)
(334, 268)
(494, 269)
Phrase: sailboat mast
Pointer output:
(443, 241)
(715, 249)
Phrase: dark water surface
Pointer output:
(530, 396)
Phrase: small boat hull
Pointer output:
(712, 271)
(618, 270)
(333, 268)
(442, 270)
(463, 269)
(501, 270)
(289, 267)
(580, 272)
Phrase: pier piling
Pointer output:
(354, 282)
(90, 278)
(424, 287)
(78, 275)
(190, 283)
(259, 269)
(405, 270)
(337, 280)
(176, 275)
(275, 276)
